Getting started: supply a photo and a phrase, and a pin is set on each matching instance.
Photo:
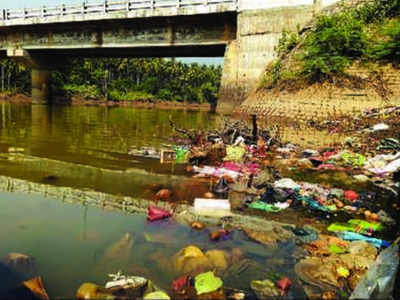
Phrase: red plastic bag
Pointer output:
(181, 284)
(155, 213)
(284, 284)
(350, 195)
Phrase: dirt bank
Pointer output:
(22, 98)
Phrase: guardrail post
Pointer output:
(4, 14)
(42, 12)
(178, 3)
(152, 4)
(205, 2)
(62, 9)
(105, 6)
(128, 5)
(83, 8)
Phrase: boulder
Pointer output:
(264, 289)
(93, 291)
(191, 260)
(218, 258)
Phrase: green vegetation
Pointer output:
(124, 80)
(369, 33)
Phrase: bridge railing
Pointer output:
(102, 7)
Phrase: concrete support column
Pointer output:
(229, 93)
(40, 86)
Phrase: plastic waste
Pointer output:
(378, 282)
(269, 207)
(217, 172)
(181, 155)
(350, 195)
(234, 153)
(352, 236)
(286, 183)
(380, 126)
(157, 295)
(221, 187)
(212, 207)
(155, 213)
(284, 284)
(354, 159)
(356, 225)
(206, 283)
(182, 283)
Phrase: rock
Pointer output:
(157, 295)
(236, 255)
(197, 225)
(217, 295)
(191, 260)
(264, 289)
(363, 248)
(120, 248)
(35, 285)
(93, 291)
(209, 195)
(163, 195)
(215, 235)
(117, 254)
(22, 264)
(269, 238)
(318, 273)
(218, 258)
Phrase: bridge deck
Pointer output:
(123, 9)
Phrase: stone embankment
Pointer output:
(183, 214)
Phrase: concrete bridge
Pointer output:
(245, 32)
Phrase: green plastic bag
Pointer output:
(157, 295)
(336, 249)
(206, 283)
(355, 159)
(181, 155)
(356, 225)
(265, 206)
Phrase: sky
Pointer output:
(38, 3)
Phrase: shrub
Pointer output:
(336, 42)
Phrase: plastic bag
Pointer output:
(181, 155)
(155, 213)
(378, 282)
(207, 283)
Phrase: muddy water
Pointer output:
(73, 244)
(87, 147)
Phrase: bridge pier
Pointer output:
(259, 29)
(41, 67)
(40, 86)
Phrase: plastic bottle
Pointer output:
(378, 282)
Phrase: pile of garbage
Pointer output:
(250, 161)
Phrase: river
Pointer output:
(87, 148)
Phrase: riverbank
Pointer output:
(80, 101)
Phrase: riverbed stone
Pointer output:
(264, 289)
(93, 291)
(191, 260)
(218, 258)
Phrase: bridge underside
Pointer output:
(216, 50)
(45, 47)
